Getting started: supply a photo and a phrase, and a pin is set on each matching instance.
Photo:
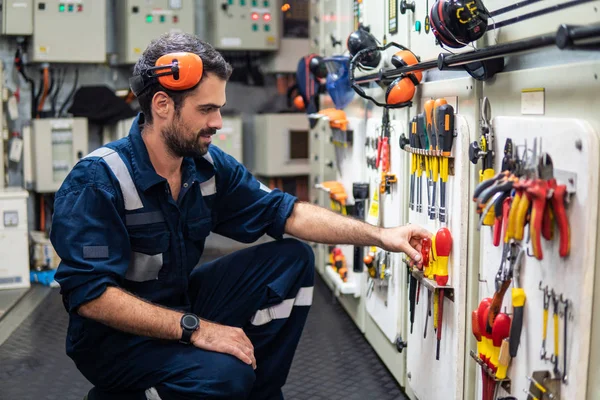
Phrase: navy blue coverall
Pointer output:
(116, 224)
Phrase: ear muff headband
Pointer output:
(174, 71)
(402, 89)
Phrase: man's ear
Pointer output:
(162, 105)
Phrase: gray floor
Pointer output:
(333, 360)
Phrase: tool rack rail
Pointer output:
(428, 283)
(504, 383)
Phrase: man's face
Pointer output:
(190, 131)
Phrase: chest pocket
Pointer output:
(198, 229)
(149, 246)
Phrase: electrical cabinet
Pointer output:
(57, 146)
(69, 31)
(230, 138)
(281, 145)
(14, 240)
(17, 17)
(244, 24)
(138, 22)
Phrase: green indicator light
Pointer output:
(61, 7)
(162, 18)
(242, 2)
(418, 26)
(266, 3)
(70, 7)
(267, 28)
(148, 18)
(254, 3)
(254, 27)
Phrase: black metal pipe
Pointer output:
(512, 7)
(537, 13)
(574, 37)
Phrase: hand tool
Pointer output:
(557, 194)
(500, 331)
(485, 150)
(554, 357)
(482, 314)
(541, 388)
(443, 244)
(430, 273)
(546, 302)
(413, 137)
(503, 359)
(478, 337)
(501, 211)
(438, 147)
(548, 222)
(527, 392)
(425, 164)
(445, 129)
(425, 251)
(360, 191)
(368, 260)
(439, 322)
(518, 302)
(565, 377)
(412, 293)
(429, 301)
(433, 160)
(503, 280)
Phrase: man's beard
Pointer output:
(178, 145)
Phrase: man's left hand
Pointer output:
(406, 239)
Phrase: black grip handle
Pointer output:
(445, 126)
(422, 132)
(515, 331)
(412, 295)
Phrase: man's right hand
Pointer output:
(224, 339)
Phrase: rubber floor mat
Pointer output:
(333, 360)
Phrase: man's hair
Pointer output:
(213, 62)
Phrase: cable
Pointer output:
(512, 7)
(68, 99)
(46, 78)
(61, 81)
(21, 69)
(538, 13)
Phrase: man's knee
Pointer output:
(299, 251)
(223, 377)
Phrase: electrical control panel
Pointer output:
(281, 145)
(229, 138)
(14, 239)
(244, 24)
(57, 146)
(138, 22)
(69, 31)
(17, 17)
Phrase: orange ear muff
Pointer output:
(405, 58)
(299, 103)
(181, 71)
(400, 91)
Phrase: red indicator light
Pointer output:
(267, 17)
(254, 16)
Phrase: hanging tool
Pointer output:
(445, 129)
(546, 305)
(387, 178)
(541, 388)
(433, 160)
(412, 294)
(558, 196)
(554, 357)
(413, 138)
(424, 165)
(527, 392)
(538, 192)
(518, 302)
(503, 281)
(443, 244)
(566, 315)
(500, 332)
(360, 191)
(486, 345)
(485, 150)
(503, 359)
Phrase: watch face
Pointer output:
(189, 322)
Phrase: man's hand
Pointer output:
(224, 339)
(406, 239)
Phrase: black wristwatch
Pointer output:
(189, 324)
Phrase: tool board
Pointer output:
(581, 14)
(572, 276)
(559, 127)
(385, 299)
(421, 352)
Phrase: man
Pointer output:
(130, 222)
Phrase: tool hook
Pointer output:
(479, 278)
